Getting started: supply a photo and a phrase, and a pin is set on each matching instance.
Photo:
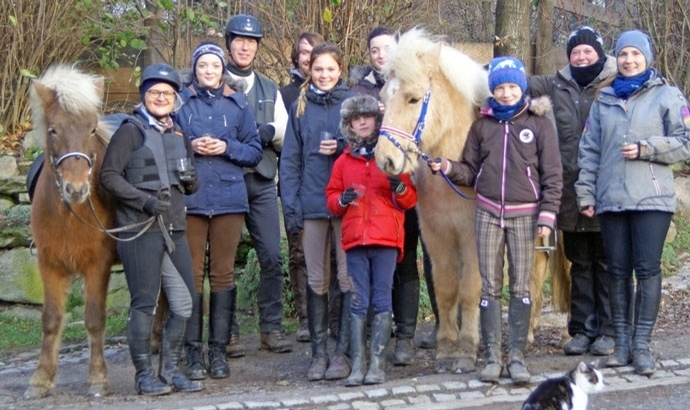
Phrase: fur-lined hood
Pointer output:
(360, 104)
(358, 73)
(540, 106)
(186, 76)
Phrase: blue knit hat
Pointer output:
(639, 40)
(507, 70)
(207, 47)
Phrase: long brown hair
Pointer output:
(317, 51)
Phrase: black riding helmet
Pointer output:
(161, 72)
(243, 25)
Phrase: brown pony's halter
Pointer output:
(415, 139)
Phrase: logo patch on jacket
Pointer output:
(526, 136)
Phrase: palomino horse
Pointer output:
(436, 89)
(66, 107)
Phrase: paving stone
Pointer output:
(209, 407)
(471, 395)
(538, 379)
(668, 363)
(476, 384)
(294, 402)
(376, 394)
(684, 361)
(351, 396)
(615, 380)
(421, 399)
(393, 403)
(661, 374)
(365, 405)
(340, 406)
(519, 390)
(636, 378)
(425, 388)
(625, 369)
(233, 405)
(324, 399)
(499, 391)
(261, 404)
(441, 397)
(454, 385)
(403, 390)
(684, 372)
(608, 371)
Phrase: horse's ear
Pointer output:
(99, 84)
(47, 95)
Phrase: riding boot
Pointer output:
(647, 299)
(317, 308)
(139, 340)
(221, 316)
(339, 366)
(194, 348)
(380, 334)
(490, 317)
(358, 335)
(620, 294)
(519, 314)
(171, 349)
(405, 308)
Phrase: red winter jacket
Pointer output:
(378, 216)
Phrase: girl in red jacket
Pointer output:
(372, 206)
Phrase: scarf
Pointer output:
(505, 112)
(160, 124)
(583, 76)
(380, 81)
(239, 72)
(366, 151)
(625, 86)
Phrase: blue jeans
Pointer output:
(370, 269)
(634, 240)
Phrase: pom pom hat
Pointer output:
(507, 70)
(586, 35)
(637, 39)
(207, 47)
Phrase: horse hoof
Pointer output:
(443, 366)
(33, 392)
(463, 365)
(98, 390)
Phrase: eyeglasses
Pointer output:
(168, 95)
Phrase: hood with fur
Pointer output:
(360, 104)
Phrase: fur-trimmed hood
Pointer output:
(360, 104)
(358, 73)
(186, 76)
(540, 106)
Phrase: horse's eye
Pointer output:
(52, 131)
(93, 131)
(413, 100)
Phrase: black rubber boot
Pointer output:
(317, 308)
(339, 366)
(620, 294)
(647, 299)
(358, 335)
(194, 350)
(139, 340)
(405, 309)
(490, 317)
(171, 349)
(220, 319)
(519, 314)
(380, 334)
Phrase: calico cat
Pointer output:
(568, 392)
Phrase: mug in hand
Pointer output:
(185, 169)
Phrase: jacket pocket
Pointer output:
(532, 184)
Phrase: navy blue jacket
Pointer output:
(304, 173)
(221, 180)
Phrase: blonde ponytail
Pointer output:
(302, 99)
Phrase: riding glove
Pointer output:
(155, 206)
(348, 196)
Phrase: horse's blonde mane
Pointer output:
(417, 53)
(75, 91)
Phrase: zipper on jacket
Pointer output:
(225, 122)
(189, 120)
(531, 183)
(654, 180)
(503, 173)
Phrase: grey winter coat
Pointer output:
(655, 117)
(571, 106)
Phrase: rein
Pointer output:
(415, 139)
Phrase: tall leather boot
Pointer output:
(490, 317)
(139, 340)
(647, 299)
(519, 314)
(194, 347)
(317, 307)
(221, 315)
(380, 334)
(405, 308)
(171, 349)
(339, 366)
(620, 295)
(358, 325)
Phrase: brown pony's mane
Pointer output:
(75, 91)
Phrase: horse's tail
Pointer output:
(560, 278)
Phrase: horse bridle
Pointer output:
(414, 140)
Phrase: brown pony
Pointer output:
(435, 88)
(66, 107)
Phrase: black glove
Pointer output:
(155, 206)
(348, 196)
(190, 181)
(396, 184)
(266, 134)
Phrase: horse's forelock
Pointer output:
(75, 91)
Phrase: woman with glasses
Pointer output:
(140, 170)
(221, 127)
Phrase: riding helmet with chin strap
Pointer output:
(243, 25)
(160, 72)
